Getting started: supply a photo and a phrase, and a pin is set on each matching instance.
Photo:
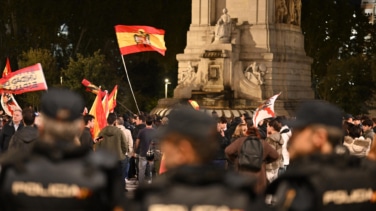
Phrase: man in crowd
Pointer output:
(128, 136)
(368, 129)
(114, 141)
(25, 139)
(191, 183)
(220, 159)
(139, 121)
(143, 144)
(86, 139)
(9, 129)
(57, 174)
(321, 175)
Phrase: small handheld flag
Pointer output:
(265, 110)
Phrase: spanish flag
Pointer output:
(7, 69)
(91, 87)
(135, 39)
(98, 112)
(112, 99)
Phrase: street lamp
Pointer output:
(166, 82)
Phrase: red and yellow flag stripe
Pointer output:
(154, 39)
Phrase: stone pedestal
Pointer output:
(264, 56)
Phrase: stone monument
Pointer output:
(241, 52)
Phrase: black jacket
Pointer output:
(189, 186)
(223, 142)
(24, 139)
(86, 139)
(6, 134)
(325, 183)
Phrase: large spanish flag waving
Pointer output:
(135, 39)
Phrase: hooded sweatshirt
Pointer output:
(24, 139)
(114, 141)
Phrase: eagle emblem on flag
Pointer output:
(142, 38)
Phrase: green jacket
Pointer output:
(114, 141)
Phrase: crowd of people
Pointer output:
(320, 160)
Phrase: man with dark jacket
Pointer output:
(223, 142)
(115, 141)
(143, 143)
(25, 139)
(191, 181)
(86, 139)
(133, 161)
(9, 129)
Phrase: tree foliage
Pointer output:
(73, 32)
(93, 68)
(335, 33)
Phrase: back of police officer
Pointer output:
(189, 144)
(58, 174)
(322, 175)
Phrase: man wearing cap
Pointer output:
(58, 174)
(189, 145)
(322, 175)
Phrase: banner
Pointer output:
(8, 102)
(265, 110)
(135, 39)
(28, 79)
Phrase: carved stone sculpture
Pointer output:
(223, 27)
(187, 75)
(281, 11)
(255, 73)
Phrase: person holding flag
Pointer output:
(135, 39)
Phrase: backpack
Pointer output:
(251, 154)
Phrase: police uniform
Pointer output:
(57, 174)
(319, 181)
(326, 182)
(56, 177)
(197, 188)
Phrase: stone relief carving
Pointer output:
(298, 7)
(255, 73)
(188, 74)
(223, 27)
(281, 11)
(288, 13)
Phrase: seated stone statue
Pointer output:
(223, 28)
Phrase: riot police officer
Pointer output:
(322, 174)
(191, 182)
(58, 174)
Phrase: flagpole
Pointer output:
(130, 85)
